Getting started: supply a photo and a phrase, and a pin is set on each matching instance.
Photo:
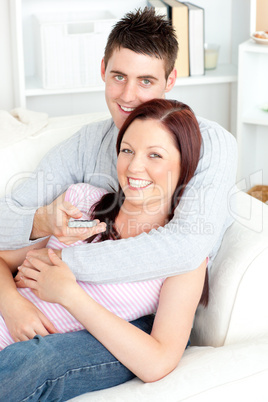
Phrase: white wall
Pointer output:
(6, 82)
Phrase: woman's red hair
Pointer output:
(179, 120)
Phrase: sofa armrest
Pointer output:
(237, 309)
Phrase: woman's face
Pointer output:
(148, 165)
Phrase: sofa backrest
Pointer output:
(21, 158)
(238, 278)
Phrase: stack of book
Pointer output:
(188, 21)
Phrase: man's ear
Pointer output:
(171, 80)
(103, 70)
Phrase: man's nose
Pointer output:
(129, 93)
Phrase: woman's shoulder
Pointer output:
(84, 195)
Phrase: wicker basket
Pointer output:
(259, 192)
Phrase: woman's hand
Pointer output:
(52, 283)
(42, 255)
(24, 320)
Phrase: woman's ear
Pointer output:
(171, 80)
(103, 70)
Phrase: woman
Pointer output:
(158, 150)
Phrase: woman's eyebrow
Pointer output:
(158, 146)
(151, 146)
(125, 142)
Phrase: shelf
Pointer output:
(33, 88)
(252, 121)
(255, 116)
(252, 46)
(225, 73)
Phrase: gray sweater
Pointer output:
(194, 233)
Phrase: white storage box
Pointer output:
(69, 48)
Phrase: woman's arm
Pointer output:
(22, 318)
(14, 258)
(150, 357)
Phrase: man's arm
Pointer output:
(67, 163)
(194, 233)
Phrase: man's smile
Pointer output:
(127, 109)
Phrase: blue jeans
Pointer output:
(61, 366)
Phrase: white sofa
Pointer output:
(228, 358)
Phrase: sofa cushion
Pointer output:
(235, 373)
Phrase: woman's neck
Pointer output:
(132, 221)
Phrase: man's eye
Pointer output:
(119, 77)
(145, 81)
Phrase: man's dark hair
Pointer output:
(146, 33)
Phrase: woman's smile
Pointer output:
(138, 183)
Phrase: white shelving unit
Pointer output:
(252, 121)
(209, 95)
(225, 73)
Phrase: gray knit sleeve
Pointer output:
(194, 233)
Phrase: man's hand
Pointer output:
(53, 220)
(24, 320)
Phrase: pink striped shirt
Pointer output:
(127, 300)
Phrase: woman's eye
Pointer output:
(155, 155)
(126, 151)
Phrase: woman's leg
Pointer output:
(60, 367)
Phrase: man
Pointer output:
(138, 65)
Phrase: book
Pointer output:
(179, 18)
(160, 7)
(261, 15)
(196, 39)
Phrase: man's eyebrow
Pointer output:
(146, 76)
(117, 72)
(151, 77)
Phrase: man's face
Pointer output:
(131, 79)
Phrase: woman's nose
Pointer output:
(136, 164)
